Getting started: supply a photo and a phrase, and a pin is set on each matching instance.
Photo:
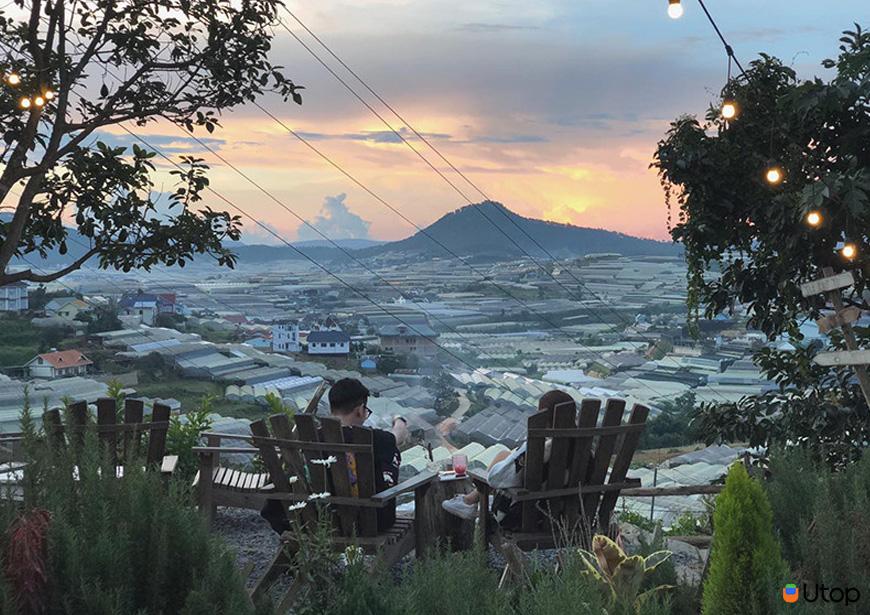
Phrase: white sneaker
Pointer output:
(457, 506)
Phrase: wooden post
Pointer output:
(431, 522)
(204, 486)
(652, 504)
(212, 440)
(849, 337)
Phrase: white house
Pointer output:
(13, 297)
(285, 336)
(328, 342)
(66, 308)
(59, 364)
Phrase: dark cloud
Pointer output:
(335, 221)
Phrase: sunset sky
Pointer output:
(552, 108)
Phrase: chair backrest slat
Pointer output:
(157, 435)
(621, 464)
(53, 427)
(340, 482)
(134, 411)
(601, 458)
(365, 475)
(107, 415)
(293, 460)
(564, 416)
(581, 456)
(307, 430)
(78, 415)
(534, 468)
(270, 457)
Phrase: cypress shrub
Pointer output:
(116, 546)
(746, 570)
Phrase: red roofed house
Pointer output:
(59, 364)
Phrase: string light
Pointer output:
(849, 251)
(49, 95)
(814, 218)
(24, 103)
(39, 101)
(13, 79)
(675, 9)
(773, 175)
(729, 110)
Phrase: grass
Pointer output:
(190, 392)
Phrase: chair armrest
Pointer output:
(423, 478)
(479, 477)
(169, 464)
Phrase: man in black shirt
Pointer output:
(347, 402)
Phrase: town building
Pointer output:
(59, 364)
(13, 297)
(328, 343)
(285, 336)
(418, 339)
(65, 308)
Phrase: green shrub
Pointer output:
(746, 570)
(117, 546)
(822, 519)
(182, 436)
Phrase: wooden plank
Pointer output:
(534, 467)
(827, 284)
(270, 457)
(846, 316)
(522, 495)
(307, 430)
(157, 435)
(53, 427)
(558, 470)
(581, 456)
(134, 411)
(647, 492)
(78, 416)
(107, 416)
(311, 408)
(293, 461)
(586, 431)
(621, 464)
(331, 431)
(365, 479)
(205, 488)
(843, 357)
(601, 459)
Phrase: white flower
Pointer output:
(319, 496)
(325, 462)
(297, 506)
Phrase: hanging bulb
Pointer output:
(24, 103)
(675, 9)
(49, 95)
(849, 251)
(814, 218)
(13, 79)
(729, 109)
(773, 175)
(39, 101)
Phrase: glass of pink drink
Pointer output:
(460, 464)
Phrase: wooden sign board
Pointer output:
(843, 357)
(843, 317)
(824, 285)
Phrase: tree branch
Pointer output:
(29, 276)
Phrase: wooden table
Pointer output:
(436, 526)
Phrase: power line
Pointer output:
(728, 48)
(452, 166)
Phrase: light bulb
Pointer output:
(13, 79)
(814, 218)
(24, 103)
(849, 251)
(39, 101)
(774, 175)
(675, 9)
(729, 110)
(49, 95)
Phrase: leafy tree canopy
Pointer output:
(754, 233)
(98, 64)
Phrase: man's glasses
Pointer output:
(368, 411)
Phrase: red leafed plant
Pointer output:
(25, 560)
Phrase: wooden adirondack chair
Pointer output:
(121, 440)
(289, 458)
(231, 486)
(572, 494)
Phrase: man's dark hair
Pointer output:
(347, 394)
(551, 399)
